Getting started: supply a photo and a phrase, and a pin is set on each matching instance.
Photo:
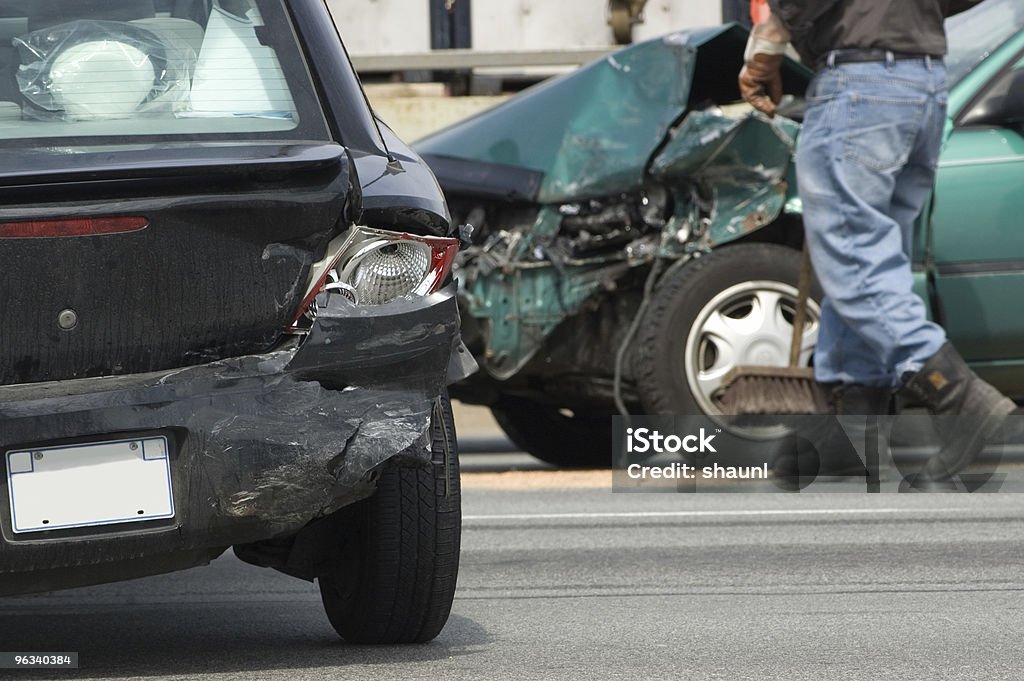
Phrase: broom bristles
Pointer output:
(771, 391)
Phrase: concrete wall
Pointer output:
(547, 24)
(383, 26)
(371, 27)
(664, 16)
(415, 110)
(396, 26)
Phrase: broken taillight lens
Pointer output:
(374, 266)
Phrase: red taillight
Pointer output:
(314, 291)
(442, 255)
(64, 227)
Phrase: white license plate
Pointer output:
(100, 483)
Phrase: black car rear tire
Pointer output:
(394, 581)
(560, 437)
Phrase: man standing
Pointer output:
(865, 163)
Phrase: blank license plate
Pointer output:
(99, 483)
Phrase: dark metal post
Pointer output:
(450, 24)
(450, 28)
(736, 10)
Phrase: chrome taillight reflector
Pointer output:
(373, 266)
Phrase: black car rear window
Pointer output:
(109, 71)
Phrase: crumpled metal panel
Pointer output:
(733, 169)
(520, 295)
(590, 132)
(621, 118)
(521, 308)
(740, 166)
(261, 444)
(264, 443)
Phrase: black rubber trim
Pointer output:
(984, 91)
(240, 160)
(962, 269)
(459, 176)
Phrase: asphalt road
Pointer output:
(561, 579)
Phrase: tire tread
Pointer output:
(407, 536)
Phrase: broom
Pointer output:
(752, 389)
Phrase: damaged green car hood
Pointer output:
(590, 132)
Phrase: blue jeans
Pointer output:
(865, 163)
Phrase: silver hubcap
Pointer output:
(749, 323)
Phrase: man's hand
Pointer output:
(761, 82)
(761, 77)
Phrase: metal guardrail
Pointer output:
(452, 60)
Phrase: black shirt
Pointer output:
(914, 26)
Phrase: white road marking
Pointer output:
(710, 514)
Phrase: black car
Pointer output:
(226, 312)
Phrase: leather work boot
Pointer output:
(971, 412)
(833, 446)
(860, 401)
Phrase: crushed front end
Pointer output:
(643, 162)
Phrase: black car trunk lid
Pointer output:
(148, 260)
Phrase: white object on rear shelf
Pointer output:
(236, 75)
(82, 74)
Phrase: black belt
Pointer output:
(862, 55)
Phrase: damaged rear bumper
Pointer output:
(258, 445)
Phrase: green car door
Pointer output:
(975, 249)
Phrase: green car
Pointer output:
(637, 232)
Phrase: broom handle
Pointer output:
(800, 315)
